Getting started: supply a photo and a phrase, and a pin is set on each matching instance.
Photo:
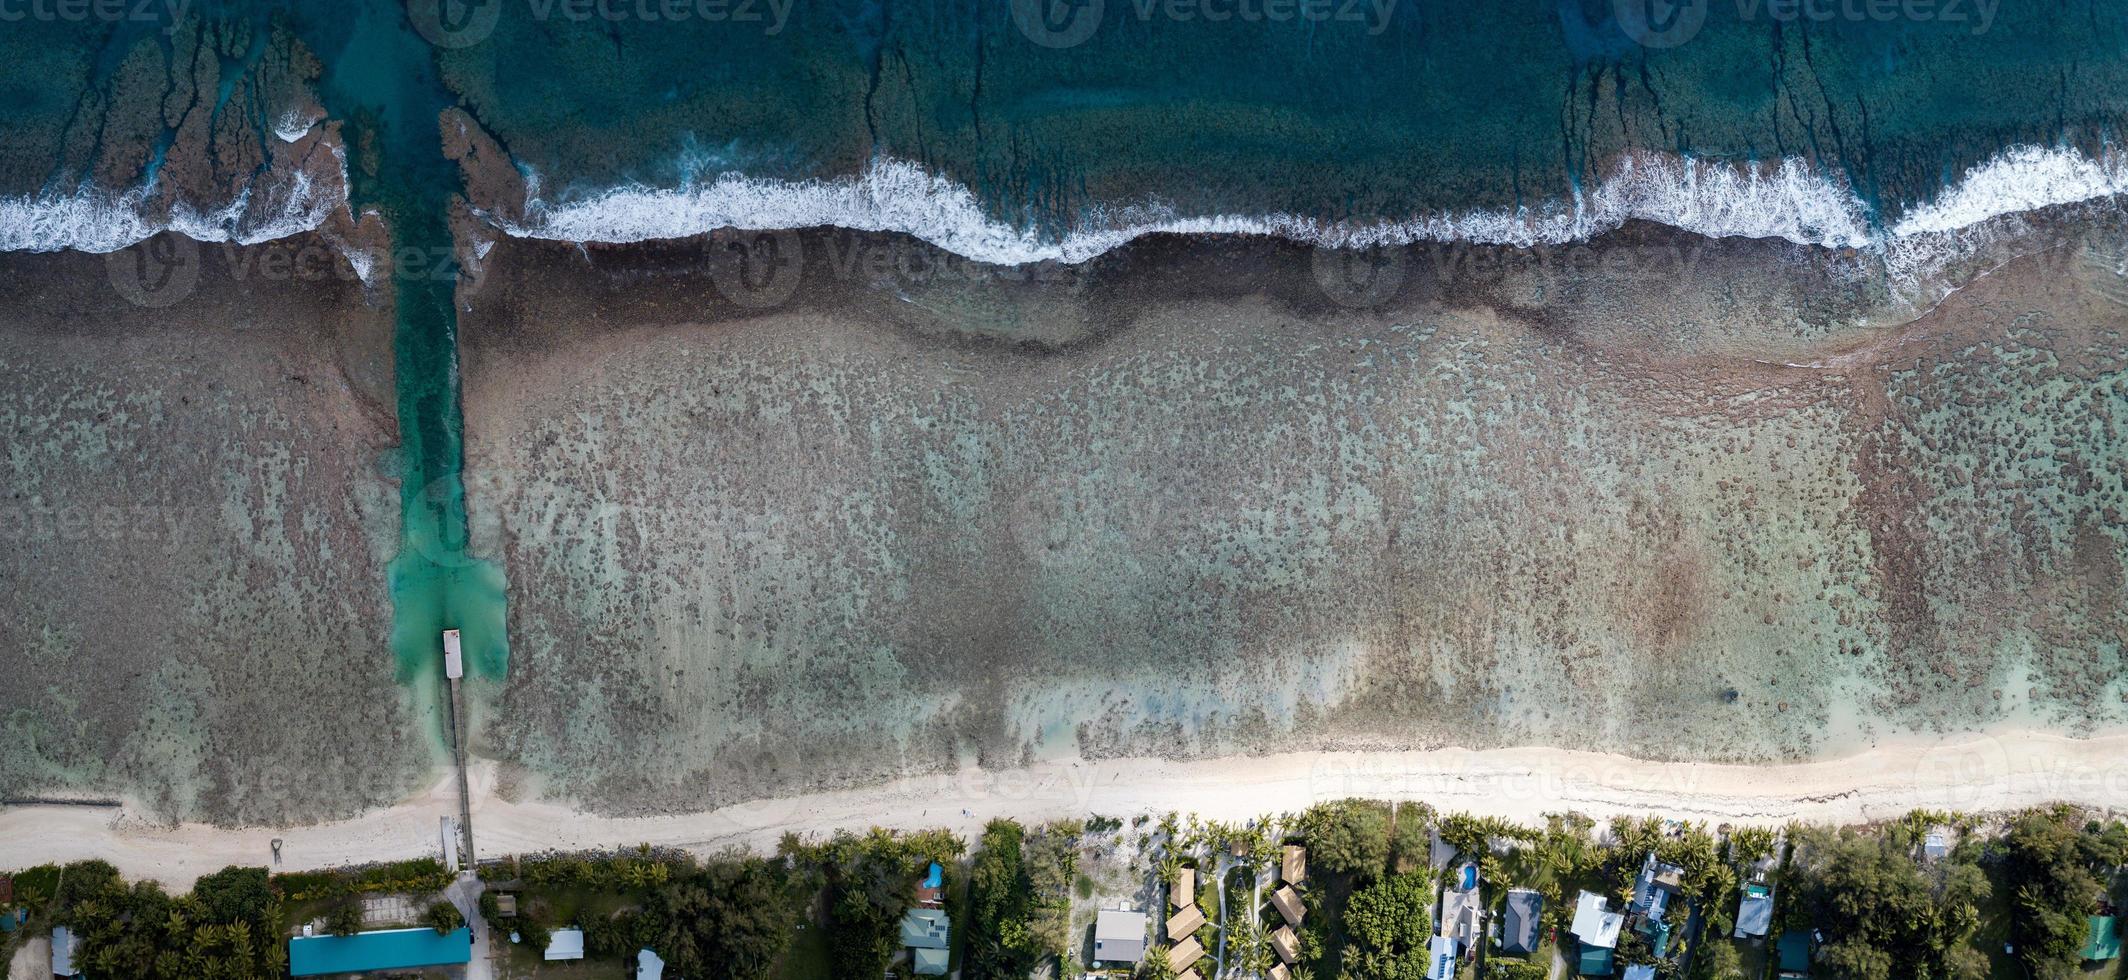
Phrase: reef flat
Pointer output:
(871, 510)
(198, 502)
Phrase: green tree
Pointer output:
(2053, 869)
(443, 917)
(1389, 928)
(733, 915)
(1348, 836)
(344, 918)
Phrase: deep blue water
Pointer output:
(1330, 108)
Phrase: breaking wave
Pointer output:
(1790, 200)
(94, 220)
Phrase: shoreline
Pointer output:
(1973, 773)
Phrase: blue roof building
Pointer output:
(387, 949)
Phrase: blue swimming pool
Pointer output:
(390, 949)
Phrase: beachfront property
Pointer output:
(1119, 937)
(1441, 959)
(1288, 903)
(1655, 889)
(649, 965)
(1794, 953)
(927, 935)
(1521, 922)
(931, 889)
(1462, 917)
(1596, 927)
(564, 944)
(63, 953)
(2102, 939)
(1183, 954)
(1293, 865)
(1754, 912)
(1936, 844)
(1182, 892)
(1286, 943)
(385, 949)
(1185, 923)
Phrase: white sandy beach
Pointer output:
(1971, 772)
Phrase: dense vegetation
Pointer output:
(1882, 910)
(867, 882)
(1019, 910)
(1389, 927)
(227, 927)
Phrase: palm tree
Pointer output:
(1169, 868)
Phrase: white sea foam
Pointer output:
(93, 220)
(1791, 200)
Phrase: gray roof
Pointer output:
(1520, 926)
(1754, 914)
(925, 929)
(1119, 937)
(63, 953)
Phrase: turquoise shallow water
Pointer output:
(378, 75)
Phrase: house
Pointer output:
(1935, 844)
(63, 953)
(1119, 937)
(565, 944)
(1183, 893)
(1184, 923)
(1754, 913)
(1184, 953)
(385, 949)
(1655, 885)
(1522, 922)
(1794, 953)
(1594, 961)
(1441, 959)
(931, 891)
(1280, 971)
(928, 934)
(1287, 945)
(1293, 869)
(1593, 924)
(1639, 972)
(2102, 939)
(1289, 906)
(649, 965)
(1461, 915)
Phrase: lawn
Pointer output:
(807, 957)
